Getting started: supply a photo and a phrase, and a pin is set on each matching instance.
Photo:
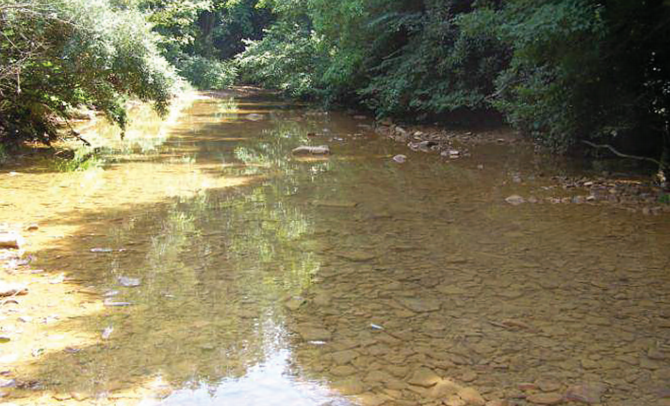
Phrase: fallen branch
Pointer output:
(613, 150)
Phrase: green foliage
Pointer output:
(204, 73)
(3, 154)
(288, 59)
(555, 51)
(560, 70)
(60, 54)
(85, 159)
(434, 66)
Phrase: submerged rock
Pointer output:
(314, 150)
(400, 158)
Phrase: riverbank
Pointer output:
(616, 184)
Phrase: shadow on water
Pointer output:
(271, 279)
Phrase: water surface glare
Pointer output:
(270, 279)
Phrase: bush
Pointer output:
(204, 73)
(288, 58)
(435, 66)
(58, 54)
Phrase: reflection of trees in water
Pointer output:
(227, 108)
(215, 270)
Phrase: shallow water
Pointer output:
(351, 279)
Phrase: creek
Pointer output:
(205, 264)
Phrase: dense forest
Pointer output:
(562, 71)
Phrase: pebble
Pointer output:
(344, 357)
(527, 386)
(471, 397)
(589, 393)
(380, 376)
(349, 387)
(343, 371)
(400, 158)
(129, 281)
(454, 400)
(294, 303)
(11, 240)
(109, 302)
(254, 117)
(313, 150)
(107, 332)
(101, 250)
(514, 200)
(468, 376)
(309, 333)
(57, 280)
(420, 304)
(62, 396)
(11, 289)
(548, 385)
(549, 399)
(424, 377)
(357, 256)
(443, 388)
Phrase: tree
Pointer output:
(59, 54)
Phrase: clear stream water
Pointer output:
(349, 279)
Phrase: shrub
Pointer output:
(204, 73)
(58, 54)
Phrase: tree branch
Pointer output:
(613, 150)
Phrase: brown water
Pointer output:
(351, 279)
